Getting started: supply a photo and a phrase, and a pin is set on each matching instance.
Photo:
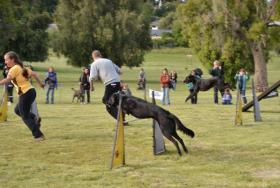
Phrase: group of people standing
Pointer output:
(241, 78)
(218, 71)
(167, 81)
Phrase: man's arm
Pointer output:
(91, 86)
(118, 69)
(93, 73)
(92, 76)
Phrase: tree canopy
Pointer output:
(23, 27)
(235, 32)
(119, 29)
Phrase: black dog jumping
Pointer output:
(143, 109)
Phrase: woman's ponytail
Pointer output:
(13, 55)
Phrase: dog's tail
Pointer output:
(182, 128)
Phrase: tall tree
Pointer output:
(24, 29)
(7, 24)
(234, 31)
(119, 29)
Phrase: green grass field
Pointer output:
(78, 148)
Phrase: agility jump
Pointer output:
(262, 95)
(4, 106)
(118, 153)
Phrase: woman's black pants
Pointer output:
(23, 108)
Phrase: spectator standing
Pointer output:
(242, 77)
(51, 82)
(9, 86)
(141, 79)
(190, 86)
(173, 79)
(85, 85)
(217, 71)
(164, 82)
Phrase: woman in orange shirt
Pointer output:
(19, 75)
(164, 82)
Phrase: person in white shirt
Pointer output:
(109, 73)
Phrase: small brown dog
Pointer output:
(78, 94)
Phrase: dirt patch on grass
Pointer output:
(267, 173)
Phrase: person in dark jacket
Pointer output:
(85, 85)
(217, 71)
(173, 79)
(9, 86)
(141, 80)
(51, 82)
(190, 86)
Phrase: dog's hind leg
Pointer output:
(175, 135)
(195, 92)
(190, 96)
(169, 137)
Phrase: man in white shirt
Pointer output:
(109, 73)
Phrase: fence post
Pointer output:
(238, 111)
(257, 114)
(118, 153)
(158, 141)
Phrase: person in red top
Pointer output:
(164, 82)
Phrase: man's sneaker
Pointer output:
(39, 139)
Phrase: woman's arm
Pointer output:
(5, 80)
(36, 76)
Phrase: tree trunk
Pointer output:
(260, 67)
